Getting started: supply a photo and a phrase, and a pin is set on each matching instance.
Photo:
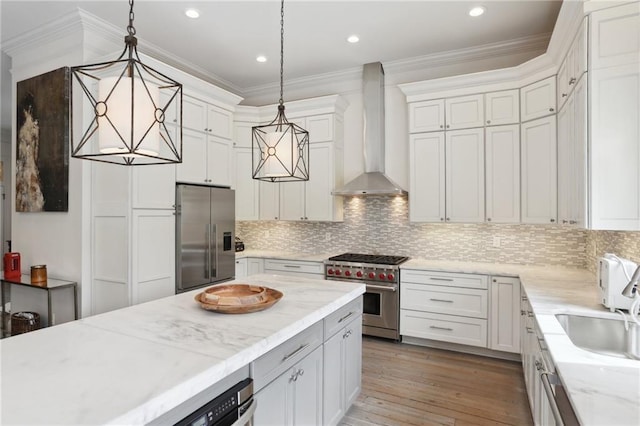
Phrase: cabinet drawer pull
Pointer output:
(441, 300)
(440, 279)
(301, 348)
(529, 330)
(441, 328)
(292, 266)
(572, 80)
(345, 317)
(551, 109)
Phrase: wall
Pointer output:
(381, 225)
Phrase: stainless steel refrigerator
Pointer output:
(205, 230)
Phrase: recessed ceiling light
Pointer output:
(261, 58)
(192, 13)
(353, 39)
(477, 11)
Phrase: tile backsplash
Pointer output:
(623, 244)
(378, 224)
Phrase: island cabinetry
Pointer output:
(249, 266)
(342, 361)
(504, 316)
(444, 306)
(538, 99)
(298, 268)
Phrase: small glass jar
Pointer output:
(39, 275)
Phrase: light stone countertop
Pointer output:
(132, 365)
(604, 390)
(268, 254)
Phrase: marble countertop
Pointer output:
(603, 390)
(268, 254)
(132, 365)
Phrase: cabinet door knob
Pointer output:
(572, 222)
(550, 109)
(564, 221)
(564, 95)
(448, 126)
(441, 126)
(448, 219)
(572, 80)
(488, 121)
(553, 220)
(488, 219)
(442, 219)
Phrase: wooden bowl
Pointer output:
(234, 295)
(271, 297)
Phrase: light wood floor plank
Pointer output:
(412, 385)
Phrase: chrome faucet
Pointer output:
(631, 289)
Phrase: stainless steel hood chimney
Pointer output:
(373, 181)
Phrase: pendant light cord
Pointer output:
(281, 51)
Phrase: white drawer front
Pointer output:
(277, 361)
(444, 300)
(293, 266)
(342, 317)
(447, 328)
(444, 278)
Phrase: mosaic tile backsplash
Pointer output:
(623, 244)
(380, 225)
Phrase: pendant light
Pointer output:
(280, 149)
(135, 111)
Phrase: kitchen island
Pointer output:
(135, 364)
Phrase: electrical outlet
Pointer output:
(496, 241)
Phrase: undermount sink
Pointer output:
(605, 336)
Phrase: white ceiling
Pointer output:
(224, 42)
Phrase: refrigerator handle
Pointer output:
(207, 252)
(213, 267)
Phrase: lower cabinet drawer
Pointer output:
(278, 360)
(337, 320)
(271, 265)
(447, 328)
(468, 302)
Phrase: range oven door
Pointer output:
(380, 307)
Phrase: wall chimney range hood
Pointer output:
(373, 181)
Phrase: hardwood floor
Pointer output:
(412, 385)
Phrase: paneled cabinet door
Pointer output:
(255, 266)
(539, 171)
(503, 174)
(579, 205)
(194, 158)
(325, 175)
(565, 162)
(292, 201)
(426, 116)
(464, 112)
(427, 177)
(153, 255)
(615, 151)
(247, 188)
(219, 122)
(154, 187)
(241, 268)
(502, 107)
(465, 175)
(538, 99)
(219, 158)
(504, 331)
(274, 403)
(342, 371)
(615, 36)
(269, 200)
(194, 114)
(307, 400)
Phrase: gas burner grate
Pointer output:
(369, 258)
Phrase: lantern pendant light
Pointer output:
(135, 111)
(280, 149)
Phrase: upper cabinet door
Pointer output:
(194, 114)
(538, 99)
(426, 116)
(219, 122)
(465, 175)
(320, 128)
(426, 177)
(464, 112)
(615, 36)
(503, 174)
(502, 107)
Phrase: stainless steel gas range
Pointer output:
(381, 274)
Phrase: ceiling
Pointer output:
(223, 43)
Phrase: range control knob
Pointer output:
(338, 272)
(390, 277)
(381, 276)
(359, 274)
(347, 273)
(330, 271)
(372, 275)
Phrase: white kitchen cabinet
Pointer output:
(205, 159)
(153, 255)
(295, 397)
(255, 266)
(464, 175)
(300, 268)
(504, 318)
(247, 188)
(320, 127)
(201, 116)
(615, 36)
(502, 148)
(312, 199)
(242, 267)
(572, 158)
(426, 116)
(269, 200)
(464, 112)
(538, 99)
(154, 187)
(342, 370)
(427, 177)
(443, 306)
(539, 171)
(502, 107)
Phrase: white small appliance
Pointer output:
(612, 280)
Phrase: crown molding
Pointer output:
(569, 19)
